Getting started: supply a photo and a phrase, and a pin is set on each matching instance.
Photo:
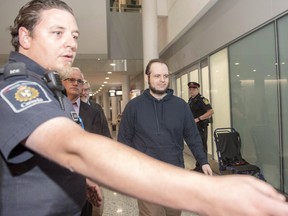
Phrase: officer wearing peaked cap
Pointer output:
(202, 112)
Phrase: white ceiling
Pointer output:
(91, 18)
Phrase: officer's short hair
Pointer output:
(30, 14)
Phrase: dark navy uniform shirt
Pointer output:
(199, 105)
(30, 184)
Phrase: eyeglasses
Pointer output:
(86, 90)
(72, 80)
(192, 87)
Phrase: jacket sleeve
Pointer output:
(126, 128)
(192, 137)
(105, 128)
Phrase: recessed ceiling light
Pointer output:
(119, 210)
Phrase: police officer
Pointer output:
(29, 100)
(202, 111)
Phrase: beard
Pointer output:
(157, 91)
(64, 72)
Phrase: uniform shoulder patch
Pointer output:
(23, 95)
(205, 101)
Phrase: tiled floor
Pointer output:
(118, 204)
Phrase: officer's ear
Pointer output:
(24, 38)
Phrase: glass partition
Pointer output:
(184, 91)
(247, 85)
(178, 86)
(220, 91)
(194, 76)
(254, 100)
(283, 66)
(206, 93)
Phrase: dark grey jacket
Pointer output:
(158, 127)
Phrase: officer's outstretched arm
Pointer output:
(128, 171)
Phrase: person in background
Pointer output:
(85, 97)
(156, 123)
(202, 112)
(46, 157)
(73, 82)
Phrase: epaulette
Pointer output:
(14, 69)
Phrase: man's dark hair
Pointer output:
(148, 67)
(30, 15)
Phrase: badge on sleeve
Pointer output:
(23, 95)
(206, 101)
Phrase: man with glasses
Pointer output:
(73, 86)
(202, 112)
(73, 83)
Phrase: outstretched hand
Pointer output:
(231, 192)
